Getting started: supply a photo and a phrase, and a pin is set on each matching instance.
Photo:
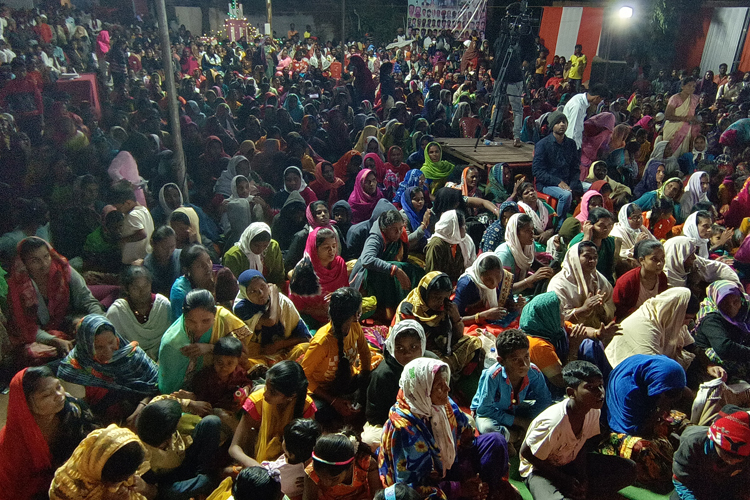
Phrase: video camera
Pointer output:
(518, 20)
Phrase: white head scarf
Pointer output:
(488, 295)
(627, 234)
(694, 194)
(539, 215)
(235, 179)
(448, 230)
(253, 230)
(163, 202)
(302, 184)
(416, 383)
(401, 327)
(690, 229)
(523, 256)
(676, 251)
(224, 182)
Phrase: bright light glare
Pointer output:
(625, 12)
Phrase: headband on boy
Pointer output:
(345, 462)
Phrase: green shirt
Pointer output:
(606, 263)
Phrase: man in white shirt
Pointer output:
(554, 462)
(576, 109)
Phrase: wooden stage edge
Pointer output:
(463, 150)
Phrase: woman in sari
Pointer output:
(46, 296)
(494, 235)
(141, 315)
(652, 179)
(395, 162)
(185, 345)
(450, 249)
(629, 229)
(413, 178)
(590, 199)
(416, 217)
(681, 124)
(697, 192)
(640, 393)
(697, 227)
(469, 182)
(365, 195)
(275, 331)
(429, 304)
(349, 163)
(116, 373)
(435, 169)
(685, 268)
(318, 216)
(326, 184)
(267, 411)
(30, 455)
(484, 294)
(517, 253)
(723, 328)
(363, 139)
(585, 293)
(238, 165)
(671, 189)
(107, 464)
(657, 327)
(321, 272)
(293, 182)
(542, 214)
(256, 250)
(429, 444)
(383, 270)
(549, 345)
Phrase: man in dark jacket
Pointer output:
(556, 165)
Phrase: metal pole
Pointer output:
(343, 21)
(269, 15)
(178, 160)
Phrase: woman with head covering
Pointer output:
(435, 169)
(258, 251)
(365, 137)
(186, 225)
(140, 316)
(670, 188)
(494, 235)
(365, 195)
(45, 296)
(585, 293)
(429, 304)
(289, 220)
(326, 184)
(640, 393)
(657, 327)
(317, 215)
(517, 253)
(541, 320)
(652, 178)
(294, 107)
(697, 227)
(416, 217)
(685, 268)
(723, 328)
(605, 189)
(30, 456)
(597, 132)
(413, 178)
(484, 293)
(114, 371)
(542, 214)
(238, 165)
(186, 343)
(405, 343)
(347, 167)
(293, 182)
(212, 162)
(697, 192)
(629, 229)
(597, 229)
(395, 162)
(469, 182)
(107, 464)
(372, 162)
(275, 330)
(320, 272)
(590, 199)
(450, 249)
(427, 431)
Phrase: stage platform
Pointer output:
(486, 156)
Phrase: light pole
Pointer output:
(625, 12)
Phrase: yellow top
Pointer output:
(577, 66)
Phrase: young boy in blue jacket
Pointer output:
(512, 392)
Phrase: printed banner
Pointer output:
(461, 16)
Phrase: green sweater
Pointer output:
(273, 263)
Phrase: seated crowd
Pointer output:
(325, 307)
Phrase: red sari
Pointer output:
(26, 457)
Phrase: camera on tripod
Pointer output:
(518, 19)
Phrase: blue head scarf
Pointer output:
(415, 219)
(494, 236)
(411, 179)
(633, 388)
(129, 370)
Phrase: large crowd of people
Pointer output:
(321, 305)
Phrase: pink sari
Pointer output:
(597, 132)
(680, 134)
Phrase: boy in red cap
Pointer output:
(711, 462)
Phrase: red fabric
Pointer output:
(589, 35)
(334, 276)
(550, 27)
(23, 297)
(380, 169)
(320, 185)
(626, 291)
(27, 461)
(341, 167)
(597, 186)
(732, 433)
(400, 169)
(691, 38)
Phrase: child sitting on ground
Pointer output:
(252, 483)
(711, 462)
(498, 405)
(342, 467)
(299, 440)
(553, 459)
(225, 384)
